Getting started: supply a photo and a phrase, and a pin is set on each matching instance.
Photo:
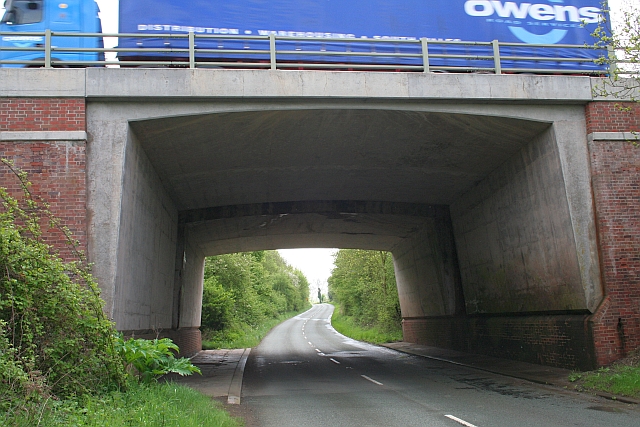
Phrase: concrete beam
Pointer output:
(202, 83)
(42, 82)
(114, 83)
(615, 89)
(336, 207)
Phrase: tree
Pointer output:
(619, 33)
(245, 289)
(363, 284)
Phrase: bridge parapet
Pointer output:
(110, 83)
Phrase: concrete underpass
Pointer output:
(509, 202)
(482, 197)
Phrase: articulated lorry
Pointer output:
(323, 31)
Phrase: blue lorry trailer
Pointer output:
(331, 27)
(331, 32)
(36, 16)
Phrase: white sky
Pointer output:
(109, 15)
(316, 264)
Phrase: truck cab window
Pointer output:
(23, 11)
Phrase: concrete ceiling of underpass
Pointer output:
(227, 159)
(344, 224)
(361, 231)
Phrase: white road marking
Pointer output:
(309, 342)
(334, 361)
(458, 420)
(317, 350)
(371, 379)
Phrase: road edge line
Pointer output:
(459, 421)
(235, 389)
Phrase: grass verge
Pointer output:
(243, 335)
(622, 378)
(348, 326)
(157, 404)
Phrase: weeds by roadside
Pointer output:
(61, 361)
(167, 405)
(621, 378)
(347, 326)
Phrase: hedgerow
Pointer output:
(363, 284)
(244, 291)
(55, 342)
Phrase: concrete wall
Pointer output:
(427, 272)
(517, 248)
(515, 240)
(146, 246)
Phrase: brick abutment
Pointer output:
(615, 175)
(56, 168)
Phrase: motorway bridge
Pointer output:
(510, 203)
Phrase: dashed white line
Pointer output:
(458, 420)
(317, 350)
(371, 379)
(334, 360)
(309, 342)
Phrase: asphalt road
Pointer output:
(306, 374)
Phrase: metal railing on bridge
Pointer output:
(272, 51)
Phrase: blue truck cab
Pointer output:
(59, 16)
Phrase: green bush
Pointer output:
(243, 335)
(217, 305)
(153, 358)
(244, 291)
(364, 286)
(54, 338)
(349, 327)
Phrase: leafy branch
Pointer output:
(150, 359)
(622, 41)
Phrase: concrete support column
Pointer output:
(132, 227)
(105, 162)
(177, 280)
(427, 276)
(190, 285)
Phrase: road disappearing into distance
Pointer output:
(304, 373)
